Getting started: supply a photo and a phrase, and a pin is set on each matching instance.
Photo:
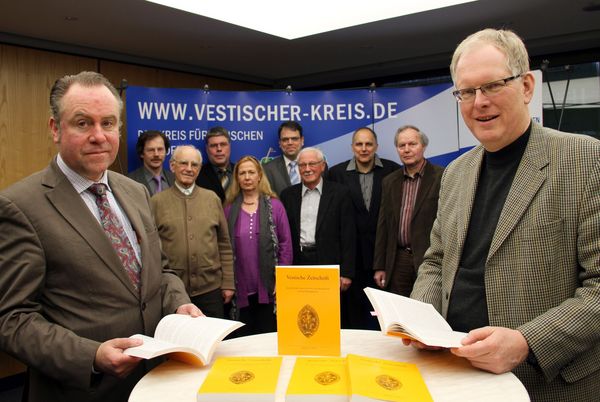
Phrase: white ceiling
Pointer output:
(140, 32)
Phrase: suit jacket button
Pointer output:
(143, 306)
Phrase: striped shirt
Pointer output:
(410, 188)
(81, 185)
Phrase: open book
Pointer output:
(189, 339)
(412, 319)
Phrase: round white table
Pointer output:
(448, 378)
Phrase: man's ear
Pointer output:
(528, 86)
(54, 129)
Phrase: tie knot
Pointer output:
(98, 189)
(293, 164)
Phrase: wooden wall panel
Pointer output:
(155, 77)
(26, 76)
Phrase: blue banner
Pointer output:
(328, 118)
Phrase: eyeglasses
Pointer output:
(309, 164)
(290, 139)
(184, 164)
(489, 89)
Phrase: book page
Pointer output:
(199, 333)
(419, 320)
(153, 347)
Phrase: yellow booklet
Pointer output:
(316, 379)
(308, 310)
(241, 379)
(373, 379)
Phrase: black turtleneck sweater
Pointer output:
(468, 305)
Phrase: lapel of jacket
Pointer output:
(395, 204)
(131, 208)
(424, 187)
(355, 189)
(528, 179)
(297, 200)
(326, 197)
(468, 185)
(73, 209)
(283, 170)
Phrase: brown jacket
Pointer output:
(386, 240)
(63, 289)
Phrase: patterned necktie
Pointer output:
(158, 180)
(224, 178)
(116, 234)
(294, 179)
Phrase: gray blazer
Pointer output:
(63, 289)
(278, 175)
(543, 268)
(139, 175)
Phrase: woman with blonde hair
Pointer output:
(260, 236)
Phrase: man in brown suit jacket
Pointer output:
(515, 249)
(67, 304)
(409, 202)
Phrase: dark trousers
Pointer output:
(211, 303)
(403, 275)
(259, 318)
(356, 307)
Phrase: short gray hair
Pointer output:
(179, 147)
(508, 42)
(85, 79)
(319, 153)
(422, 136)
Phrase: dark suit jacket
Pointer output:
(139, 175)
(335, 234)
(421, 222)
(542, 274)
(207, 178)
(278, 175)
(63, 289)
(366, 220)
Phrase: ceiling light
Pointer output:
(292, 20)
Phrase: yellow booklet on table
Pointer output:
(192, 340)
(241, 379)
(373, 379)
(316, 379)
(308, 310)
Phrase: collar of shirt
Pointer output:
(318, 188)
(149, 176)
(218, 169)
(418, 174)
(288, 160)
(80, 183)
(352, 164)
(185, 191)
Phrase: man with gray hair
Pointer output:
(321, 218)
(194, 234)
(81, 268)
(408, 206)
(515, 250)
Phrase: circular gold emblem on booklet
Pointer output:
(308, 321)
(241, 377)
(327, 378)
(388, 382)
